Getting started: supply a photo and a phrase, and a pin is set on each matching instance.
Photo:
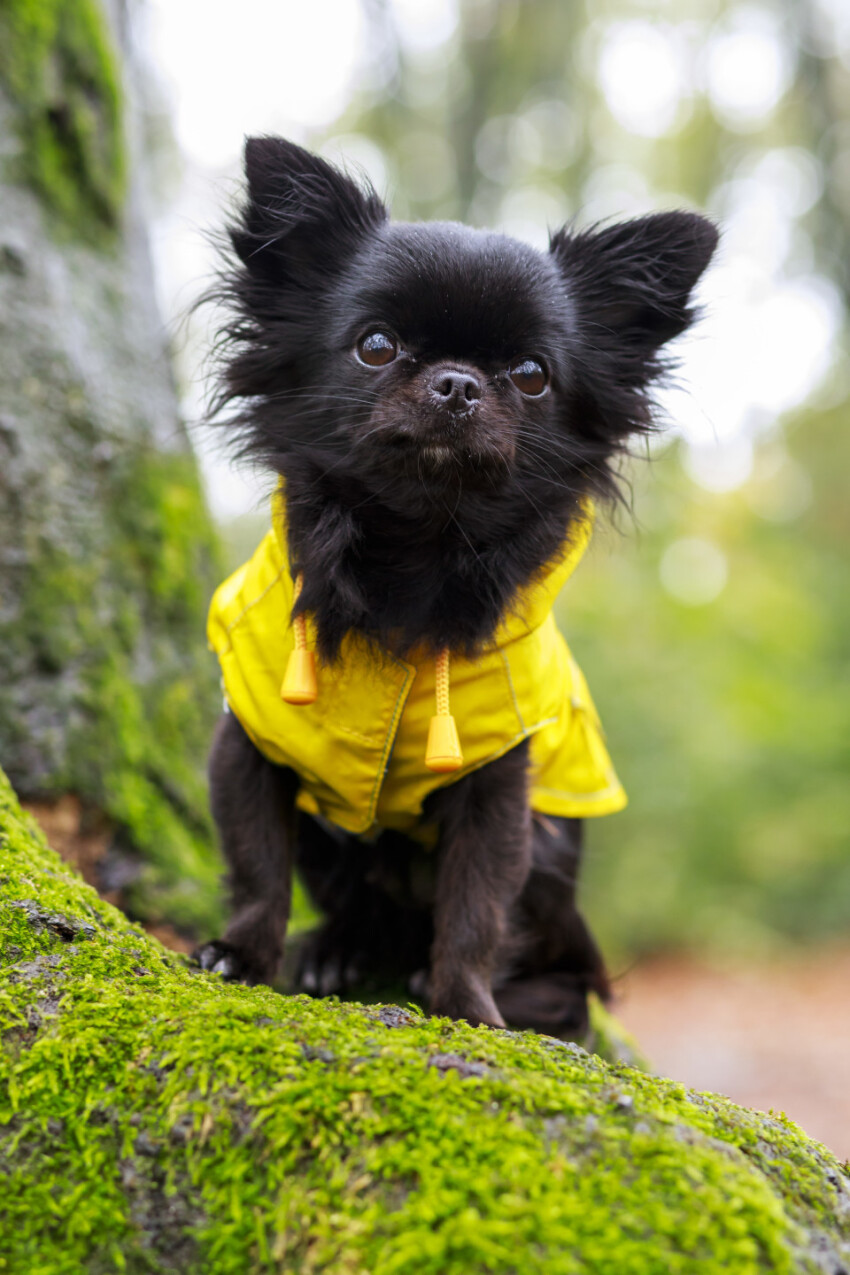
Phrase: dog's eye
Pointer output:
(528, 376)
(377, 349)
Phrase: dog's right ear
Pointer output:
(303, 218)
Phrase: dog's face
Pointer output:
(456, 343)
(438, 356)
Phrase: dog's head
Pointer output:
(434, 356)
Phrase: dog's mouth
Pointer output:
(466, 459)
(436, 448)
(439, 454)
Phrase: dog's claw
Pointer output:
(307, 979)
(217, 957)
(331, 979)
(324, 968)
(419, 984)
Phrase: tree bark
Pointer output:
(155, 1119)
(107, 555)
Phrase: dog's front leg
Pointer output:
(253, 802)
(485, 856)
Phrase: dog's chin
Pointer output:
(438, 462)
(437, 458)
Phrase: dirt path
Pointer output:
(769, 1036)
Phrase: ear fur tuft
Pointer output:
(301, 211)
(632, 282)
(631, 287)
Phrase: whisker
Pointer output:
(569, 454)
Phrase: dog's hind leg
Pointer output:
(253, 803)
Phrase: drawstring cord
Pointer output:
(442, 754)
(299, 624)
(299, 683)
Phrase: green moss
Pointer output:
(58, 64)
(155, 1119)
(124, 626)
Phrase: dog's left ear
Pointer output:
(631, 283)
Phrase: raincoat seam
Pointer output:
(355, 734)
(254, 601)
(614, 787)
(401, 698)
(512, 689)
(580, 703)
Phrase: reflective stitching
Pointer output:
(230, 627)
(512, 690)
(600, 795)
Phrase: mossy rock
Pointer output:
(155, 1119)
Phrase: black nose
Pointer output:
(455, 390)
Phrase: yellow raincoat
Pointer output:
(360, 748)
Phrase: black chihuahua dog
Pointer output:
(441, 405)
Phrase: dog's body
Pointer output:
(442, 405)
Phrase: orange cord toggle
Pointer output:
(443, 753)
(299, 683)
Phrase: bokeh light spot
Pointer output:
(642, 73)
(748, 68)
(720, 466)
(210, 123)
(423, 27)
(693, 571)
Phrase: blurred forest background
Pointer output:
(713, 618)
(714, 621)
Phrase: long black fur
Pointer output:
(414, 524)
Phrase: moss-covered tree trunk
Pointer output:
(155, 1119)
(106, 550)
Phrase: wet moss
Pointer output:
(59, 67)
(156, 1119)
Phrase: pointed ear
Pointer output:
(632, 283)
(301, 213)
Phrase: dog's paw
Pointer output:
(468, 1000)
(218, 957)
(553, 1004)
(419, 984)
(324, 967)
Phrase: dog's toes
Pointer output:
(307, 978)
(419, 984)
(218, 957)
(325, 969)
(468, 999)
(330, 977)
